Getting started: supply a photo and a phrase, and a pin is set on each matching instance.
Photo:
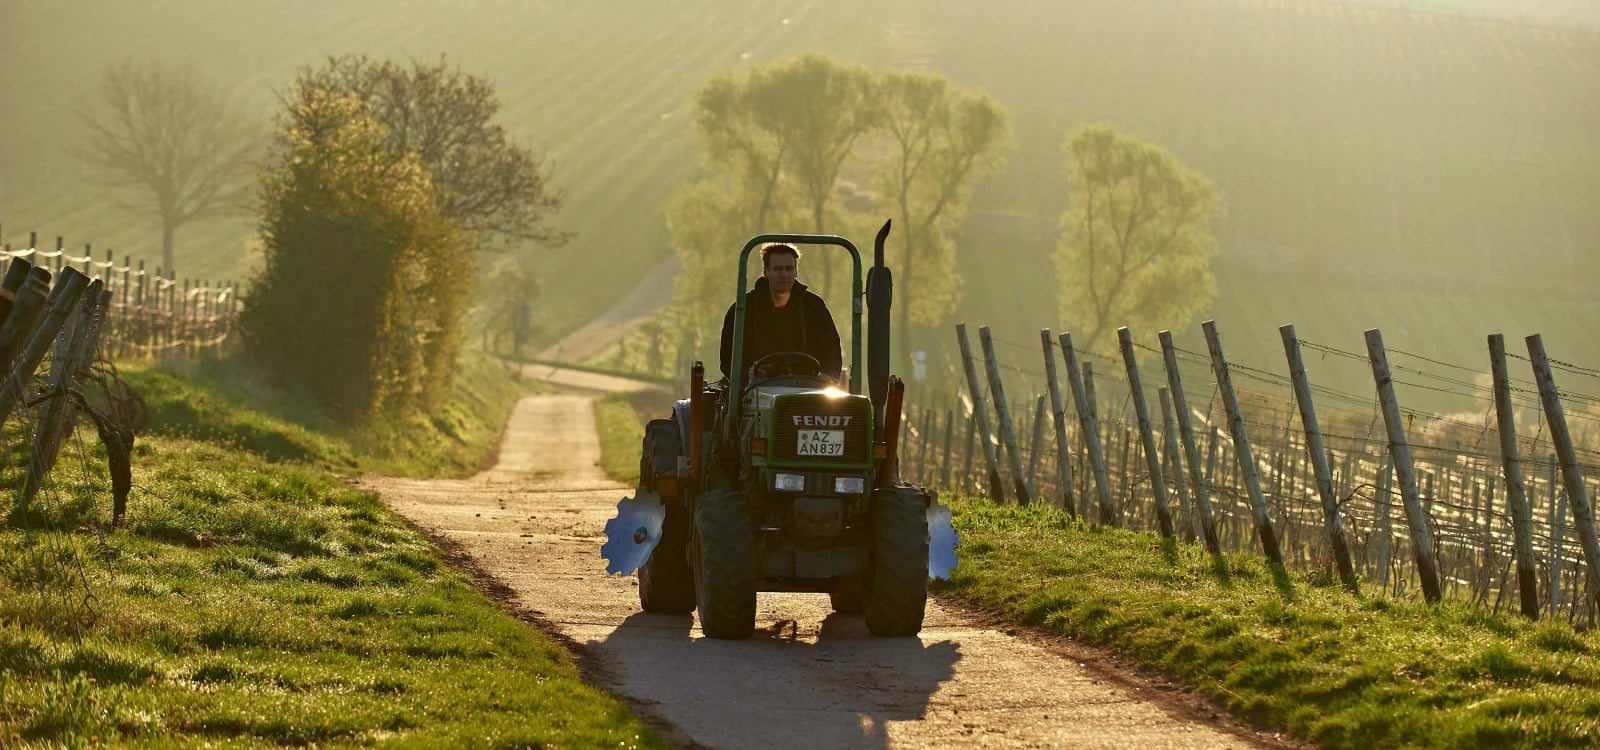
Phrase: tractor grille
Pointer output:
(857, 434)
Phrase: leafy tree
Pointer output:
(508, 298)
(941, 140)
(784, 132)
(163, 131)
(365, 276)
(1137, 242)
(707, 222)
(481, 178)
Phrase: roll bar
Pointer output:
(856, 298)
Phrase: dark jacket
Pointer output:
(804, 325)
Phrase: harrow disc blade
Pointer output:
(942, 539)
(634, 533)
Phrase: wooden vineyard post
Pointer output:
(1034, 447)
(1241, 448)
(966, 456)
(944, 463)
(979, 415)
(1191, 451)
(1091, 431)
(1332, 523)
(1516, 494)
(1385, 519)
(924, 439)
(1152, 458)
(1008, 431)
(1400, 451)
(1558, 534)
(1571, 473)
(1058, 411)
(1169, 433)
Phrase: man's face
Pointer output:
(780, 271)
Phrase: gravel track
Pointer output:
(533, 524)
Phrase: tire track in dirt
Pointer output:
(807, 678)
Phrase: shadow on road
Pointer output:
(786, 686)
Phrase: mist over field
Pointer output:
(1427, 167)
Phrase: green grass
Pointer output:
(1338, 670)
(253, 598)
(1284, 650)
(621, 433)
(223, 404)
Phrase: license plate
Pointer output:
(820, 443)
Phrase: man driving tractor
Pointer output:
(782, 476)
(782, 315)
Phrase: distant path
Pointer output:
(807, 678)
(650, 294)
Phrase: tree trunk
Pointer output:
(169, 227)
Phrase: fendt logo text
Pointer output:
(809, 420)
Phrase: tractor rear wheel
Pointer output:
(899, 594)
(724, 549)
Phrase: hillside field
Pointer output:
(1376, 159)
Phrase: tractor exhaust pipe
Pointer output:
(880, 292)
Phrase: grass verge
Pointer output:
(253, 598)
(223, 403)
(1282, 650)
(621, 433)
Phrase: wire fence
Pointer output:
(1042, 449)
(153, 313)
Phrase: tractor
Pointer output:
(785, 480)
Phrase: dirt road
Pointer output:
(807, 678)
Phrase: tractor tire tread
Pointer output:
(726, 590)
(898, 597)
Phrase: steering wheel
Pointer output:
(767, 367)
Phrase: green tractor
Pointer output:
(786, 481)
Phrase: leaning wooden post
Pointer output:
(1152, 458)
(1169, 432)
(1059, 412)
(1332, 523)
(1571, 473)
(73, 347)
(1091, 432)
(33, 296)
(1516, 493)
(1405, 472)
(1008, 432)
(1198, 480)
(1241, 447)
(63, 298)
(980, 415)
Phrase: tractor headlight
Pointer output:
(849, 485)
(789, 482)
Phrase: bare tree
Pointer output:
(163, 131)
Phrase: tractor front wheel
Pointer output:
(899, 593)
(666, 583)
(724, 548)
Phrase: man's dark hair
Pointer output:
(780, 249)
